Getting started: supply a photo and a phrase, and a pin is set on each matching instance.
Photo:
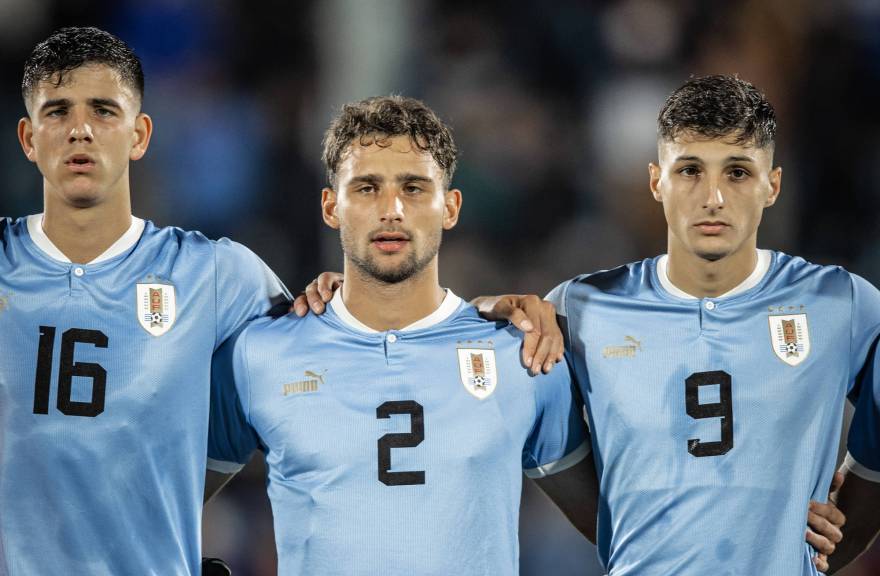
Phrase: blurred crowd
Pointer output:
(553, 106)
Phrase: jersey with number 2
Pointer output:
(397, 452)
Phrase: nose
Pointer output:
(391, 207)
(713, 199)
(80, 130)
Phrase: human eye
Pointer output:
(690, 171)
(56, 112)
(366, 189)
(738, 174)
(104, 112)
(412, 189)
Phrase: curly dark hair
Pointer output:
(719, 106)
(70, 48)
(383, 117)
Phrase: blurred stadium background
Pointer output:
(553, 107)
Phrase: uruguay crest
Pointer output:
(477, 369)
(790, 338)
(156, 307)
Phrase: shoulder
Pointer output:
(629, 280)
(12, 231)
(262, 332)
(193, 240)
(825, 279)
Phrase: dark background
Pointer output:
(553, 106)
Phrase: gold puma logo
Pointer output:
(626, 351)
(310, 384)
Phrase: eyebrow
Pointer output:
(55, 102)
(94, 102)
(401, 178)
(727, 160)
(106, 102)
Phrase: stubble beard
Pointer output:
(368, 265)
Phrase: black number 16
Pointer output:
(67, 369)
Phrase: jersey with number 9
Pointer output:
(714, 421)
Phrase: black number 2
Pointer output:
(67, 370)
(397, 440)
(722, 410)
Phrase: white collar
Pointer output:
(123, 243)
(445, 310)
(761, 268)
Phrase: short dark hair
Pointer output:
(719, 106)
(385, 117)
(70, 48)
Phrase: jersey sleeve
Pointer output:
(863, 442)
(231, 439)
(245, 288)
(559, 438)
(557, 298)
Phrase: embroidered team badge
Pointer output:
(156, 307)
(477, 369)
(790, 338)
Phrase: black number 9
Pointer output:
(722, 409)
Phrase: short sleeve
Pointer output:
(863, 442)
(245, 288)
(557, 298)
(231, 440)
(559, 438)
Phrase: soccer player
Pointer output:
(107, 327)
(715, 375)
(397, 424)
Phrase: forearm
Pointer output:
(214, 481)
(859, 500)
(576, 492)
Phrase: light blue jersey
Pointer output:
(397, 452)
(104, 392)
(714, 421)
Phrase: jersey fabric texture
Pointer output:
(714, 421)
(397, 452)
(104, 392)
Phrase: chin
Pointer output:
(81, 198)
(712, 256)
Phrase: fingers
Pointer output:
(314, 298)
(822, 534)
(327, 283)
(317, 293)
(300, 305)
(545, 344)
(828, 511)
(820, 543)
(837, 481)
(821, 562)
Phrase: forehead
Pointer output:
(90, 80)
(384, 155)
(710, 149)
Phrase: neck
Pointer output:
(384, 306)
(706, 278)
(83, 234)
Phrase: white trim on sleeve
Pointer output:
(851, 465)
(224, 467)
(563, 463)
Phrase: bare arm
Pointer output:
(859, 500)
(576, 492)
(214, 481)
